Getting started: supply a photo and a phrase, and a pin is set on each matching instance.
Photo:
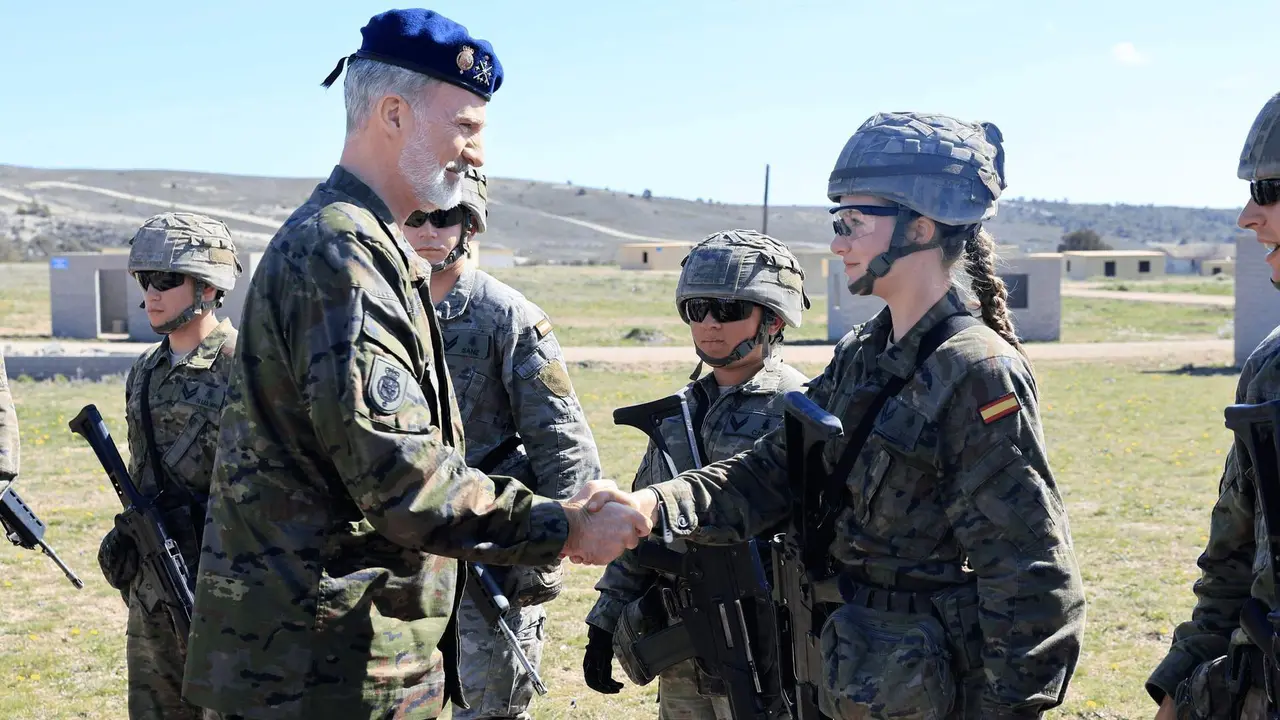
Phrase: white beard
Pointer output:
(421, 168)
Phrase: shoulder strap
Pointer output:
(149, 433)
(940, 333)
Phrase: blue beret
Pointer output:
(429, 43)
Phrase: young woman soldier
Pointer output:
(956, 590)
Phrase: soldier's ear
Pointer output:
(921, 230)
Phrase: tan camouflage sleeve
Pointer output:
(548, 416)
(350, 339)
(624, 580)
(9, 440)
(1225, 583)
(1006, 512)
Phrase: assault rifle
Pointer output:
(25, 530)
(808, 428)
(159, 558)
(725, 601)
(1257, 436)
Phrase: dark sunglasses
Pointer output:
(724, 311)
(843, 228)
(161, 280)
(1265, 192)
(437, 218)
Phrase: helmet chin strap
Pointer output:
(898, 248)
(198, 306)
(742, 349)
(458, 250)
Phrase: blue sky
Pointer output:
(1098, 101)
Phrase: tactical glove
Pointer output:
(118, 556)
(597, 664)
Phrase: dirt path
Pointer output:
(207, 210)
(1177, 298)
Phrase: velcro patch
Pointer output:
(556, 378)
(543, 328)
(386, 387)
(467, 343)
(1001, 407)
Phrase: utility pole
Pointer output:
(765, 224)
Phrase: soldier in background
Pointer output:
(174, 394)
(521, 418)
(1193, 682)
(736, 319)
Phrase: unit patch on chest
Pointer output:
(467, 343)
(1002, 406)
(748, 424)
(386, 386)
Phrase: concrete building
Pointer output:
(1223, 266)
(92, 294)
(652, 255)
(814, 260)
(1190, 258)
(1034, 284)
(1257, 302)
(1120, 264)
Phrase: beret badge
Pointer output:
(466, 58)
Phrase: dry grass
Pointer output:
(24, 300)
(1136, 449)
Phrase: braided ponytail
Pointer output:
(980, 257)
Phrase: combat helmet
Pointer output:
(933, 165)
(745, 265)
(190, 244)
(1260, 158)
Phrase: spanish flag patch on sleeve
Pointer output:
(1000, 407)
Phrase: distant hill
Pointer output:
(46, 211)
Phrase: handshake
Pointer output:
(605, 521)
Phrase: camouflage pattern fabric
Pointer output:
(735, 419)
(1260, 157)
(9, 440)
(182, 242)
(186, 401)
(510, 379)
(1235, 563)
(954, 471)
(341, 484)
(745, 265)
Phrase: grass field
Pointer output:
(1102, 320)
(24, 300)
(1136, 449)
(1216, 285)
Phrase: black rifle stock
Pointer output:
(808, 428)
(25, 530)
(159, 558)
(1257, 435)
(728, 601)
(493, 604)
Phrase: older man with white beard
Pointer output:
(325, 587)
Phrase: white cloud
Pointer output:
(1126, 54)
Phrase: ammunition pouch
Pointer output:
(645, 642)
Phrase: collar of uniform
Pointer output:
(160, 352)
(765, 382)
(900, 358)
(344, 181)
(207, 351)
(455, 302)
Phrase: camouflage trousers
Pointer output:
(155, 661)
(678, 697)
(493, 680)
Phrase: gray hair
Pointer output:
(368, 81)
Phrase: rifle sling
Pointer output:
(946, 329)
(159, 477)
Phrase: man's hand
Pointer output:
(644, 501)
(596, 538)
(1168, 710)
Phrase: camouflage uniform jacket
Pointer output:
(1234, 565)
(510, 379)
(734, 420)
(186, 403)
(340, 481)
(9, 453)
(953, 486)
